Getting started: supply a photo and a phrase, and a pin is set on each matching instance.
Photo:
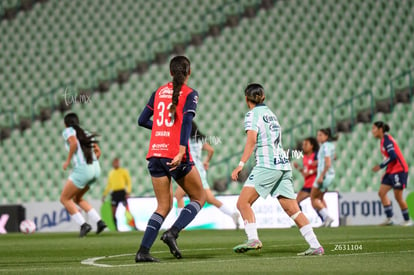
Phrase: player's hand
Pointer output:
(296, 165)
(206, 165)
(320, 180)
(376, 168)
(65, 165)
(175, 161)
(235, 173)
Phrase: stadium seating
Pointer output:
(63, 41)
(306, 64)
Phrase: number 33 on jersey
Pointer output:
(165, 135)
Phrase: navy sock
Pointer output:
(151, 232)
(187, 215)
(405, 214)
(388, 211)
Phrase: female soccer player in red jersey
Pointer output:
(396, 175)
(172, 107)
(310, 147)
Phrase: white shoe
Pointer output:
(328, 221)
(388, 221)
(407, 223)
(235, 216)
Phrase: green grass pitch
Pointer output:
(359, 250)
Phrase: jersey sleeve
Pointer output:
(190, 105)
(68, 132)
(249, 123)
(144, 118)
(389, 147)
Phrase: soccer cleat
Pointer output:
(388, 221)
(328, 221)
(169, 239)
(249, 245)
(407, 223)
(85, 228)
(235, 216)
(100, 227)
(312, 252)
(144, 257)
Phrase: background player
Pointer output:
(308, 170)
(119, 184)
(198, 144)
(396, 174)
(173, 107)
(84, 153)
(325, 175)
(271, 175)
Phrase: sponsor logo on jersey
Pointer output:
(269, 118)
(159, 146)
(165, 93)
(273, 127)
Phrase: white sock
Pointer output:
(309, 235)
(225, 210)
(78, 218)
(94, 216)
(324, 213)
(179, 211)
(251, 231)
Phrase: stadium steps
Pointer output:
(233, 12)
(10, 8)
(223, 65)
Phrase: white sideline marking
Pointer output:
(92, 261)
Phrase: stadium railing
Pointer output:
(409, 88)
(51, 101)
(166, 43)
(349, 104)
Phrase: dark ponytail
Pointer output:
(255, 93)
(195, 132)
(328, 132)
(86, 141)
(180, 69)
(384, 126)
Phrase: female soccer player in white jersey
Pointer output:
(198, 143)
(271, 175)
(84, 153)
(325, 174)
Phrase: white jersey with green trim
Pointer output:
(78, 157)
(269, 152)
(196, 149)
(327, 149)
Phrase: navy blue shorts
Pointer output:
(158, 168)
(396, 181)
(305, 189)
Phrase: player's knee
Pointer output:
(241, 204)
